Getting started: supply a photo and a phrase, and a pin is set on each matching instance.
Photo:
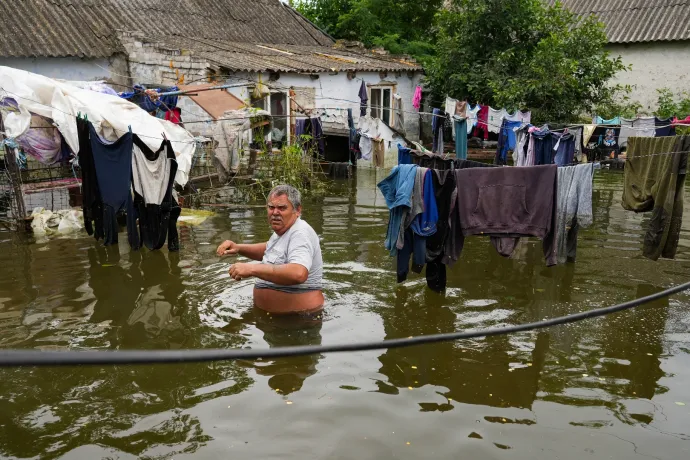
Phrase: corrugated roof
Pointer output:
(251, 57)
(88, 28)
(633, 21)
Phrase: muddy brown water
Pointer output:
(614, 387)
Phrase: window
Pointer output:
(380, 102)
(277, 104)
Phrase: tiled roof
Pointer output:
(252, 57)
(88, 28)
(632, 21)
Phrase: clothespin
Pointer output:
(164, 137)
(78, 115)
(130, 129)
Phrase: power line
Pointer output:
(23, 358)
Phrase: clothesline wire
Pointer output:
(357, 103)
(217, 120)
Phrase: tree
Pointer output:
(399, 26)
(522, 54)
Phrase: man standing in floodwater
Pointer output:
(289, 277)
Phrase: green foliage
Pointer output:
(399, 26)
(618, 103)
(522, 54)
(672, 105)
(292, 166)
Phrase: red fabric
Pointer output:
(482, 117)
(174, 115)
(685, 121)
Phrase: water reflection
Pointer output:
(609, 385)
(286, 375)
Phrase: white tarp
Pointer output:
(111, 115)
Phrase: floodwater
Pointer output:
(614, 387)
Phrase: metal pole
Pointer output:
(188, 91)
(15, 177)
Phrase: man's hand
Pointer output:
(228, 248)
(242, 271)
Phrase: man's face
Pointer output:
(281, 213)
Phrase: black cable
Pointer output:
(18, 358)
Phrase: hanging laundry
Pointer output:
(229, 135)
(574, 208)
(482, 119)
(506, 141)
(114, 172)
(521, 145)
(644, 127)
(542, 144)
(654, 180)
(404, 155)
(684, 121)
(309, 134)
(364, 99)
(472, 115)
(495, 120)
(153, 175)
(354, 138)
(587, 132)
(422, 219)
(43, 142)
(417, 98)
(664, 127)
(600, 121)
(379, 152)
(444, 186)
(577, 133)
(92, 203)
(450, 106)
(398, 114)
(460, 137)
(525, 117)
(627, 131)
(437, 129)
(174, 116)
(505, 204)
(515, 116)
(564, 148)
(397, 191)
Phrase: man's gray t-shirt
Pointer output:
(299, 245)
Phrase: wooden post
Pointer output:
(15, 177)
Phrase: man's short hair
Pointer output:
(293, 195)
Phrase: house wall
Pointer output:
(331, 95)
(654, 66)
(113, 69)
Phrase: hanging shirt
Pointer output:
(626, 132)
(644, 127)
(511, 116)
(664, 127)
(564, 148)
(525, 117)
(600, 121)
(153, 175)
(113, 163)
(495, 119)
(472, 115)
(417, 98)
(482, 118)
